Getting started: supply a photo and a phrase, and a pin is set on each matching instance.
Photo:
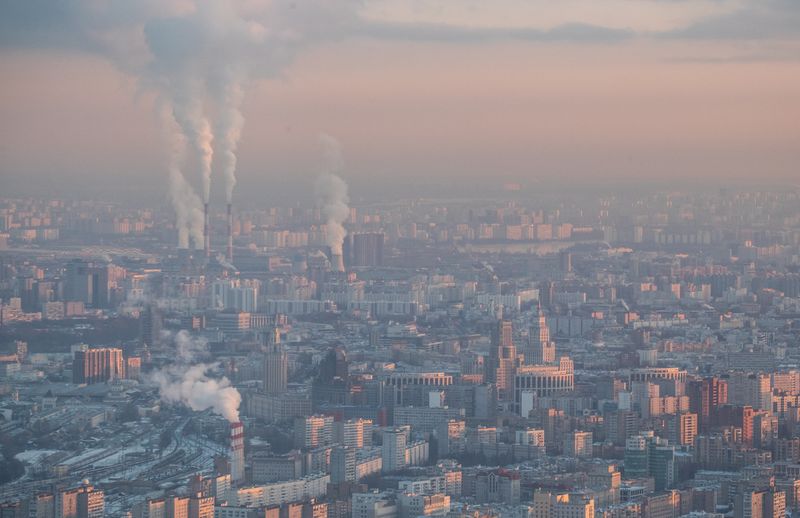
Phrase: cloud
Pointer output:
(572, 32)
(755, 20)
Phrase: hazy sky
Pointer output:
(420, 90)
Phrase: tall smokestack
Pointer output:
(206, 236)
(229, 254)
(237, 453)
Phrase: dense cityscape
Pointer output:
(399, 259)
(519, 355)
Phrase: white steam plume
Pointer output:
(195, 55)
(189, 113)
(228, 92)
(331, 192)
(188, 383)
(187, 205)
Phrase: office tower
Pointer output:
(78, 282)
(237, 454)
(682, 428)
(705, 397)
(647, 455)
(364, 249)
(503, 360)
(750, 389)
(150, 324)
(97, 366)
(275, 369)
(637, 459)
(541, 351)
(343, 464)
(88, 283)
(393, 451)
(578, 444)
(313, 431)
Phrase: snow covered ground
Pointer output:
(34, 456)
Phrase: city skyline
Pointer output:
(399, 259)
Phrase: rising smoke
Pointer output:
(228, 90)
(188, 381)
(331, 193)
(199, 65)
(197, 57)
(187, 205)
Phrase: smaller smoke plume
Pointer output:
(189, 383)
(331, 192)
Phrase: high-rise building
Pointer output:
(637, 463)
(578, 444)
(705, 397)
(393, 450)
(91, 502)
(313, 431)
(88, 282)
(343, 464)
(647, 455)
(503, 360)
(682, 428)
(150, 324)
(276, 366)
(540, 351)
(749, 389)
(201, 506)
(177, 506)
(97, 366)
(354, 433)
(364, 249)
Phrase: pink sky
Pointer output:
(644, 107)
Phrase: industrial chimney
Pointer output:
(237, 453)
(229, 254)
(206, 236)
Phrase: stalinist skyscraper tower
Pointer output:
(540, 350)
(276, 366)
